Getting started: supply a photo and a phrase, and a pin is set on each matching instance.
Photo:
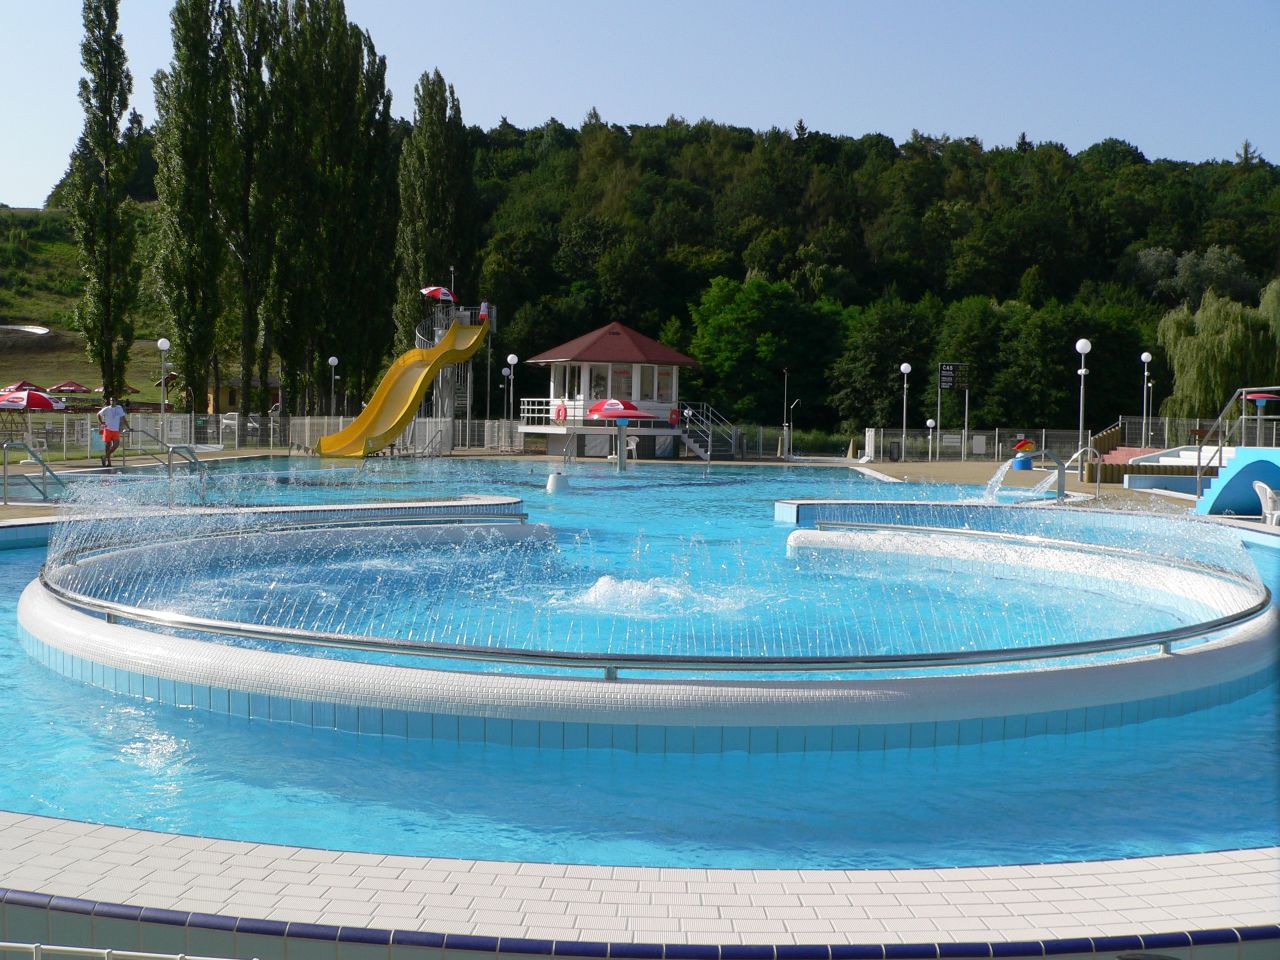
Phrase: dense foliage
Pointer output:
(934, 250)
(819, 260)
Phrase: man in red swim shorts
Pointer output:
(114, 422)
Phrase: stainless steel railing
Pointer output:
(610, 664)
(45, 470)
(37, 951)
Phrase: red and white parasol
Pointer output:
(614, 410)
(442, 294)
(29, 400)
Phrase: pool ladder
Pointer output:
(46, 472)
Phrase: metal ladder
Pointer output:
(45, 470)
(188, 453)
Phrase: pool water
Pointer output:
(1207, 780)
(666, 560)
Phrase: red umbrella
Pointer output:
(439, 293)
(615, 410)
(621, 412)
(22, 385)
(29, 400)
(69, 386)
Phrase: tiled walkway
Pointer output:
(556, 902)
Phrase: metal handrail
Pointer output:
(147, 453)
(1223, 437)
(613, 662)
(45, 470)
(1097, 459)
(188, 453)
(37, 951)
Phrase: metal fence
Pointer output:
(77, 436)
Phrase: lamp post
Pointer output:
(333, 382)
(931, 423)
(786, 446)
(1145, 357)
(791, 424)
(1151, 411)
(163, 346)
(905, 368)
(1082, 347)
(512, 360)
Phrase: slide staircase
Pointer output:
(393, 404)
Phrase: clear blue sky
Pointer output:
(1184, 79)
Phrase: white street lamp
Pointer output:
(931, 423)
(163, 346)
(1146, 359)
(905, 368)
(333, 380)
(512, 360)
(1082, 347)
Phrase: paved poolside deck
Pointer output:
(629, 904)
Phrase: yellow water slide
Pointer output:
(393, 404)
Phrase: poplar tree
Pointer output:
(190, 126)
(100, 212)
(245, 185)
(438, 205)
(334, 199)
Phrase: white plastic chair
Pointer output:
(1270, 501)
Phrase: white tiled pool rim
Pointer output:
(1210, 902)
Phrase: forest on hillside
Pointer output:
(835, 258)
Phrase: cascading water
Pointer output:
(687, 594)
(997, 478)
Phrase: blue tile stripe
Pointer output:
(598, 950)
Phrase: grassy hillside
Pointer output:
(39, 285)
(39, 277)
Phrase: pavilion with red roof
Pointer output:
(611, 362)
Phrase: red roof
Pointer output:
(614, 343)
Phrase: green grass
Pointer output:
(40, 283)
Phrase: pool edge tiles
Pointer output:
(261, 899)
(670, 716)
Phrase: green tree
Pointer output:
(189, 130)
(866, 379)
(246, 177)
(1217, 348)
(438, 207)
(747, 333)
(101, 218)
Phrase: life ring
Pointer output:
(561, 415)
(673, 417)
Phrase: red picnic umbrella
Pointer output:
(22, 385)
(29, 400)
(69, 386)
(439, 293)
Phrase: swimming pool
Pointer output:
(963, 802)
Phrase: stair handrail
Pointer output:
(188, 453)
(1223, 436)
(45, 470)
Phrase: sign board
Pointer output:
(953, 376)
(952, 440)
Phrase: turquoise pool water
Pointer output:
(1150, 788)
